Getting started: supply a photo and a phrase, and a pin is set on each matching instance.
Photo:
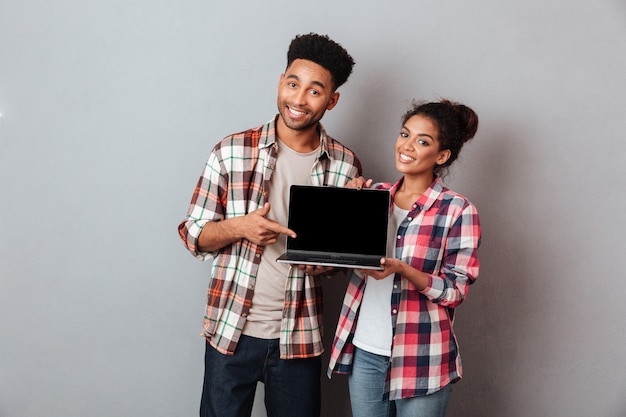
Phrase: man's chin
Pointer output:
(299, 126)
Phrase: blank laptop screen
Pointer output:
(335, 219)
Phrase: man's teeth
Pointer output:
(296, 112)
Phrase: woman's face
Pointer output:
(417, 147)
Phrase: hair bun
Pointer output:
(468, 119)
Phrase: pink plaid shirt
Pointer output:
(440, 236)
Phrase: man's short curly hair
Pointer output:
(323, 51)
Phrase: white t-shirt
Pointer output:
(373, 331)
(268, 302)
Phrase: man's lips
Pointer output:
(296, 113)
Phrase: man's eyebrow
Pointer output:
(295, 77)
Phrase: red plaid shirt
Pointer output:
(234, 183)
(440, 236)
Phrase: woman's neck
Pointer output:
(411, 189)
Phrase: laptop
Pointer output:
(337, 226)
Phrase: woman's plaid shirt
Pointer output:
(234, 183)
(439, 236)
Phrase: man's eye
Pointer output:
(314, 92)
(292, 85)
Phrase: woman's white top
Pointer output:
(373, 331)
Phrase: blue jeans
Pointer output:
(367, 383)
(292, 386)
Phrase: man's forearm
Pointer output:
(216, 235)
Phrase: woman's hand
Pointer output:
(359, 182)
(390, 266)
(396, 266)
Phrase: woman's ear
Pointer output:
(443, 157)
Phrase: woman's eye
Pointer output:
(422, 142)
(404, 135)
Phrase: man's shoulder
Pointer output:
(248, 137)
(338, 150)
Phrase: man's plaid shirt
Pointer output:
(234, 183)
(440, 236)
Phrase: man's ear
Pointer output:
(333, 101)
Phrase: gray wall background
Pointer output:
(110, 108)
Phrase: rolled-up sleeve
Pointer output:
(207, 205)
(460, 264)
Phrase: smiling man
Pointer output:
(263, 320)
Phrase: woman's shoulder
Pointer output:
(455, 198)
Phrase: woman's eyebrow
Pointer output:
(418, 134)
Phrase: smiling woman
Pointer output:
(417, 148)
(407, 359)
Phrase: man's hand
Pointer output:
(314, 269)
(257, 228)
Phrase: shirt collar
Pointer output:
(426, 200)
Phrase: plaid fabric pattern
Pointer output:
(440, 236)
(233, 184)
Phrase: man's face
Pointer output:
(305, 92)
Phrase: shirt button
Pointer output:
(399, 237)
(409, 218)
(394, 311)
(258, 255)
(271, 166)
